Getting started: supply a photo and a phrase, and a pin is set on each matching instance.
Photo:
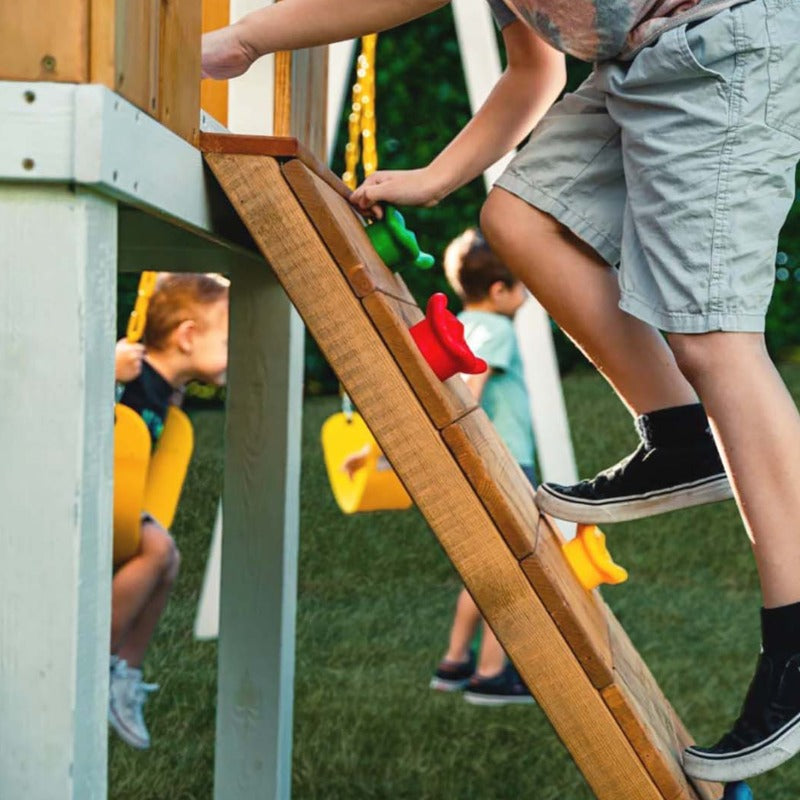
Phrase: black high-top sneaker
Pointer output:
(668, 471)
(767, 732)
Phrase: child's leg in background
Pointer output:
(465, 625)
(139, 593)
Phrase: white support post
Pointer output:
(340, 65)
(260, 543)
(251, 96)
(481, 61)
(57, 314)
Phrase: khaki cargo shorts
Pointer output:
(679, 166)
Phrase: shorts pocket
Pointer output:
(690, 46)
(783, 67)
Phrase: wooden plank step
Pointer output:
(491, 572)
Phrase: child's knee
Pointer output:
(702, 355)
(502, 210)
(160, 547)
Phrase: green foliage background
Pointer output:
(421, 103)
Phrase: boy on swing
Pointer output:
(185, 338)
(648, 200)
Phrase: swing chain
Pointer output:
(138, 317)
(361, 122)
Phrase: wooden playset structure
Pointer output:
(101, 171)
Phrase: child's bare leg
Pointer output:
(492, 658)
(465, 623)
(581, 293)
(757, 426)
(136, 581)
(135, 643)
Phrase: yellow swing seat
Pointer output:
(145, 482)
(373, 487)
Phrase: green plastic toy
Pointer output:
(395, 243)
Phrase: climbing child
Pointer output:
(185, 338)
(648, 200)
(491, 297)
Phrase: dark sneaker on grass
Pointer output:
(650, 481)
(501, 690)
(453, 676)
(766, 734)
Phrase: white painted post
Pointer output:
(250, 96)
(206, 621)
(340, 64)
(260, 543)
(57, 314)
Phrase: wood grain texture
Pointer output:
(508, 497)
(181, 27)
(45, 40)
(283, 147)
(349, 340)
(342, 231)
(300, 98)
(124, 51)
(445, 401)
(214, 94)
(649, 721)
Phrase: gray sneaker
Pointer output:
(126, 697)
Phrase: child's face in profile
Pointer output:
(209, 356)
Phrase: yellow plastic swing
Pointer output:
(146, 480)
(374, 486)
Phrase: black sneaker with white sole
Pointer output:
(453, 676)
(504, 689)
(652, 480)
(766, 734)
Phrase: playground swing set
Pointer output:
(568, 647)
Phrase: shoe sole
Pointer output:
(747, 763)
(443, 685)
(497, 700)
(126, 735)
(633, 507)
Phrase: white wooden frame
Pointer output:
(89, 184)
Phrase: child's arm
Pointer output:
(291, 24)
(534, 78)
(477, 383)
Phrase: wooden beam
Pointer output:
(123, 49)
(284, 147)
(179, 67)
(45, 40)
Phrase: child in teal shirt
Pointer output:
(491, 296)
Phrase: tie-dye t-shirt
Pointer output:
(595, 30)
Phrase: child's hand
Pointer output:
(355, 461)
(225, 54)
(127, 360)
(413, 187)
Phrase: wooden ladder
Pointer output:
(566, 644)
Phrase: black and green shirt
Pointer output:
(149, 396)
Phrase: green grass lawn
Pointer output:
(375, 599)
